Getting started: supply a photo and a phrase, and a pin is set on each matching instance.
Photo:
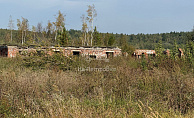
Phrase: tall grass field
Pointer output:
(73, 87)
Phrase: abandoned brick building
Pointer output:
(92, 52)
(139, 53)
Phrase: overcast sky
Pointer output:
(117, 16)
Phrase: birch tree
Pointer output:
(91, 15)
(34, 32)
(11, 26)
(25, 27)
(59, 24)
(84, 30)
(20, 29)
(49, 29)
(39, 27)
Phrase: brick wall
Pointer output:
(81, 51)
(12, 51)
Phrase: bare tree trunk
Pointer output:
(92, 30)
(25, 36)
(11, 35)
(85, 39)
(91, 38)
(87, 44)
(56, 36)
(34, 37)
(22, 38)
(11, 25)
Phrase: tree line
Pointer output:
(56, 34)
(43, 36)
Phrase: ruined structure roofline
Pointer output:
(71, 47)
(37, 46)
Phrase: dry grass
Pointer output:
(127, 92)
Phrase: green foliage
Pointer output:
(111, 40)
(128, 48)
(189, 52)
(97, 38)
(122, 40)
(142, 41)
(159, 49)
(62, 37)
(144, 64)
(174, 51)
(40, 61)
(190, 36)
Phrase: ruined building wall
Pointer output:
(12, 51)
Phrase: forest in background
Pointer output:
(138, 41)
